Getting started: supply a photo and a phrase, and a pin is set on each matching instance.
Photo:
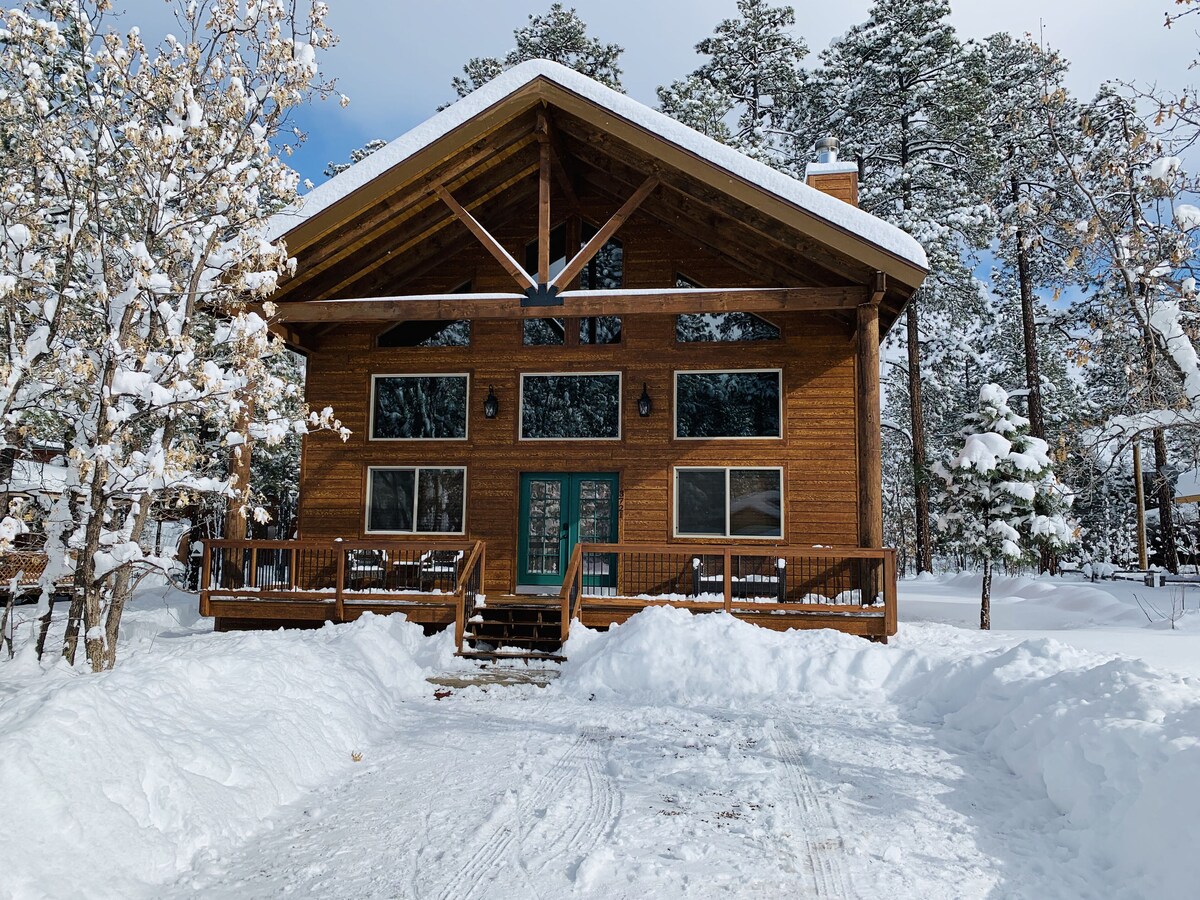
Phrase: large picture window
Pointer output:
(416, 500)
(571, 407)
(720, 502)
(734, 404)
(419, 407)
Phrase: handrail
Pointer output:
(572, 589)
(468, 583)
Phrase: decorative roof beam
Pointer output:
(574, 303)
(490, 244)
(601, 237)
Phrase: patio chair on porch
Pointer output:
(437, 571)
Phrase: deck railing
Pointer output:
(747, 579)
(340, 572)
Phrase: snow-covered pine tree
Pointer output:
(559, 35)
(746, 93)
(133, 250)
(1001, 499)
(356, 156)
(907, 98)
(1033, 204)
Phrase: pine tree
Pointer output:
(748, 91)
(559, 35)
(1033, 201)
(1002, 501)
(356, 156)
(907, 99)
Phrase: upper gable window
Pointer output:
(604, 272)
(544, 332)
(444, 333)
(721, 327)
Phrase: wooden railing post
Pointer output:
(205, 579)
(292, 570)
(890, 613)
(728, 580)
(254, 566)
(460, 621)
(339, 599)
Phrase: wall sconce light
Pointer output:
(644, 404)
(491, 405)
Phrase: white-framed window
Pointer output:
(729, 403)
(420, 407)
(717, 501)
(570, 406)
(416, 499)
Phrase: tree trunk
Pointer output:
(44, 625)
(93, 589)
(74, 618)
(1033, 375)
(924, 550)
(985, 599)
(1166, 503)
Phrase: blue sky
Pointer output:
(396, 58)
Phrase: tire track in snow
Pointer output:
(590, 819)
(816, 830)
(501, 829)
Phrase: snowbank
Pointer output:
(1113, 744)
(122, 778)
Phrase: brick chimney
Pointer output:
(829, 176)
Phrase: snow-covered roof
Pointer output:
(29, 477)
(830, 209)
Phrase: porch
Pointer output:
(258, 583)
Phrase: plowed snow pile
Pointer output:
(1112, 743)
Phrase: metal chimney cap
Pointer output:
(827, 149)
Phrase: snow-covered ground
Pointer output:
(675, 756)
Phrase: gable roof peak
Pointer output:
(808, 200)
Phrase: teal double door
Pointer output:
(558, 511)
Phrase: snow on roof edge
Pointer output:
(837, 213)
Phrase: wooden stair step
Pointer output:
(499, 654)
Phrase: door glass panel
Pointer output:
(595, 526)
(595, 511)
(545, 526)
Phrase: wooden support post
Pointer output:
(607, 230)
(493, 246)
(292, 570)
(544, 202)
(254, 566)
(339, 599)
(870, 450)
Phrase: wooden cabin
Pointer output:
(592, 360)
